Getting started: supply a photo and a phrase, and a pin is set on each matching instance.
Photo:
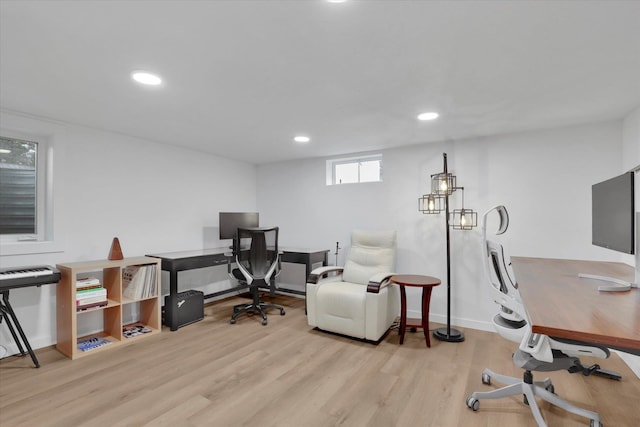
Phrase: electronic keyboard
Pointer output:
(36, 275)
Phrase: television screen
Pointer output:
(612, 213)
(230, 221)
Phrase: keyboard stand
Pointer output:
(6, 312)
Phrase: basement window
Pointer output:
(354, 170)
(25, 190)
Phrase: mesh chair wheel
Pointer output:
(233, 321)
(473, 403)
(282, 313)
(264, 322)
(486, 379)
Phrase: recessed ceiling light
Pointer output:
(428, 116)
(336, 1)
(146, 78)
(4, 151)
(301, 138)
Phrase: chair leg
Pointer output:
(255, 307)
(515, 387)
(569, 407)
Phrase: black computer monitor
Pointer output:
(230, 221)
(613, 213)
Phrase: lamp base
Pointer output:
(453, 335)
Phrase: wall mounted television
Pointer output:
(230, 221)
(613, 213)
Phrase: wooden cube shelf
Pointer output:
(110, 271)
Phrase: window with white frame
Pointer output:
(354, 170)
(23, 189)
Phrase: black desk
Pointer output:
(173, 262)
(305, 256)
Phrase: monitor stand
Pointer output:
(620, 285)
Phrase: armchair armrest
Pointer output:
(378, 281)
(321, 272)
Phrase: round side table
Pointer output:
(426, 283)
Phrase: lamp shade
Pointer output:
(463, 219)
(443, 183)
(430, 204)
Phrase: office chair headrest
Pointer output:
(504, 220)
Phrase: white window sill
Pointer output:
(29, 248)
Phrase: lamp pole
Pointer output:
(448, 334)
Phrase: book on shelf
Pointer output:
(88, 344)
(91, 293)
(83, 307)
(134, 330)
(87, 282)
(139, 281)
(92, 300)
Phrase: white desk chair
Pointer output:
(536, 352)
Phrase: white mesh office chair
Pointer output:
(536, 352)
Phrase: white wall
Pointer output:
(631, 161)
(153, 197)
(631, 140)
(544, 178)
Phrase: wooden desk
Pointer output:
(426, 283)
(560, 304)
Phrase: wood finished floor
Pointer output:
(212, 373)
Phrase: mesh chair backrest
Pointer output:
(497, 268)
(372, 251)
(258, 250)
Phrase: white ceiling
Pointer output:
(242, 78)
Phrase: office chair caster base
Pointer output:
(594, 423)
(473, 403)
(282, 312)
(486, 379)
(233, 321)
(264, 322)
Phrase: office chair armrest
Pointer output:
(379, 281)
(320, 272)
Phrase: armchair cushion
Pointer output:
(344, 308)
(371, 252)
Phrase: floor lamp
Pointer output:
(443, 185)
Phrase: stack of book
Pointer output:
(139, 281)
(90, 293)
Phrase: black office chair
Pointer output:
(257, 259)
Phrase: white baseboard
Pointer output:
(463, 323)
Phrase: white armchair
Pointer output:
(358, 299)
